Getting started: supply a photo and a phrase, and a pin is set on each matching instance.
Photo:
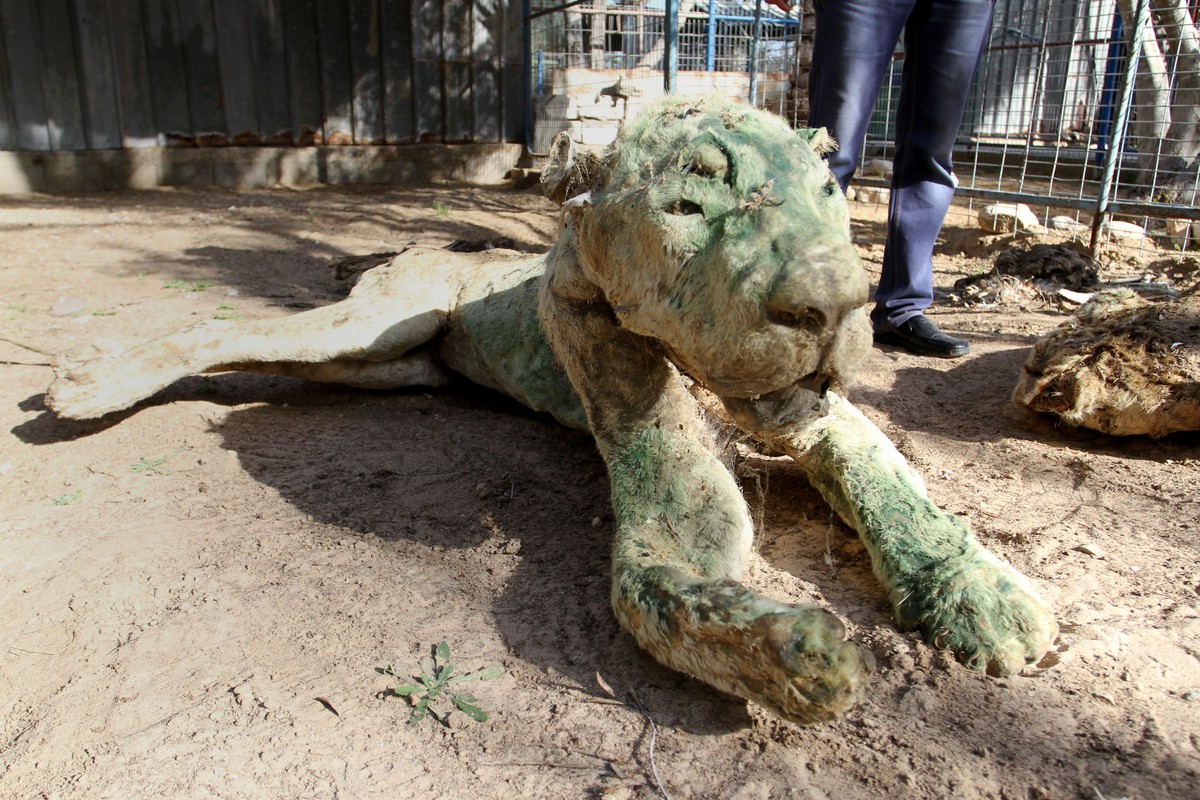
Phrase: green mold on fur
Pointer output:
(704, 269)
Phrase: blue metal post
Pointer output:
(671, 46)
(710, 62)
(1112, 158)
(754, 52)
(1108, 97)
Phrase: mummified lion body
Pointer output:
(705, 255)
(1121, 365)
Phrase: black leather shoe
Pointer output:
(919, 335)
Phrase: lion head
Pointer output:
(718, 231)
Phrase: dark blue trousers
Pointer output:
(853, 46)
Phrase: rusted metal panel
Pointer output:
(270, 71)
(368, 71)
(337, 88)
(396, 32)
(94, 39)
(165, 63)
(202, 62)
(23, 116)
(303, 70)
(237, 69)
(60, 80)
(428, 52)
(135, 109)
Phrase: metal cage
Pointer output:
(1087, 111)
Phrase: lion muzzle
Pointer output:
(803, 402)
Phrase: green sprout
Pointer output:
(150, 466)
(68, 498)
(441, 209)
(194, 286)
(226, 311)
(437, 679)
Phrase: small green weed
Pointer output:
(226, 311)
(150, 466)
(194, 286)
(68, 498)
(441, 209)
(437, 679)
(12, 309)
(105, 313)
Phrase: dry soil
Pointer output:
(200, 597)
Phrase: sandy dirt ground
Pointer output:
(199, 598)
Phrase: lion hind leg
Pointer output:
(361, 328)
(941, 580)
(417, 369)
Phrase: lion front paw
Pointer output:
(982, 610)
(806, 671)
(794, 660)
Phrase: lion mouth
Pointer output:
(800, 403)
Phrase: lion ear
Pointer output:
(569, 171)
(818, 140)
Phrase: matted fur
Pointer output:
(709, 247)
(1120, 365)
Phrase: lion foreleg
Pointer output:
(940, 579)
(683, 533)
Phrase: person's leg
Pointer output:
(943, 41)
(852, 48)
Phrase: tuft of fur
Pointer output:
(1061, 264)
(1029, 277)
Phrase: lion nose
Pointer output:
(814, 294)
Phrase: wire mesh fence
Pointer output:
(595, 63)
(1086, 117)
(1086, 111)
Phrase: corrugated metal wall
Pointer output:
(91, 74)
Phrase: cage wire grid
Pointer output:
(1087, 111)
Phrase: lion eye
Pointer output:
(830, 189)
(684, 208)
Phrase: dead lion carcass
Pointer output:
(1121, 365)
(705, 255)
